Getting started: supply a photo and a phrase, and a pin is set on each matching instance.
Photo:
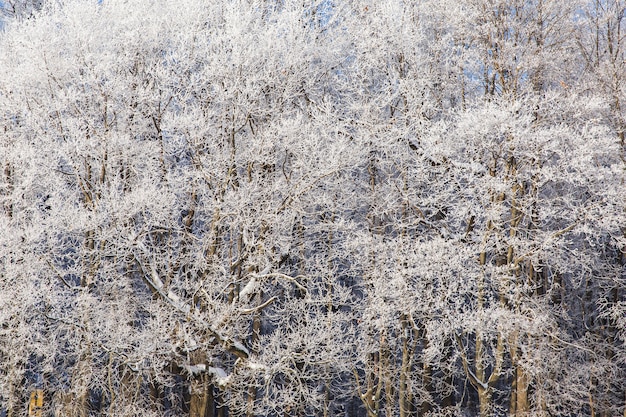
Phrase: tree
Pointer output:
(259, 208)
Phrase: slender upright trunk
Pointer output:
(404, 392)
(256, 332)
(200, 404)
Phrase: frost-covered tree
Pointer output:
(332, 208)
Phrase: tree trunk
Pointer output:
(404, 393)
(199, 404)
(519, 393)
(254, 338)
(427, 377)
(484, 401)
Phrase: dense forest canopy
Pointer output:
(320, 208)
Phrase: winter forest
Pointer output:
(287, 208)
